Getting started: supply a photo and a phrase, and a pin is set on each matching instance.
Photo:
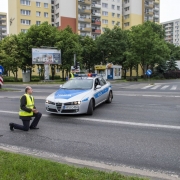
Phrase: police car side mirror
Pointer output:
(61, 86)
(98, 87)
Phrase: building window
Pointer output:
(38, 23)
(104, 13)
(126, 1)
(126, 16)
(104, 5)
(126, 24)
(38, 13)
(118, 23)
(46, 14)
(113, 14)
(38, 4)
(113, 6)
(24, 30)
(57, 6)
(57, 15)
(25, 22)
(113, 22)
(104, 21)
(25, 2)
(25, 12)
(45, 5)
(118, 8)
(57, 24)
(126, 9)
(118, 15)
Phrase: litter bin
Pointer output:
(26, 76)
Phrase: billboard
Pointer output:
(46, 56)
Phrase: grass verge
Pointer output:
(39, 83)
(16, 166)
(6, 89)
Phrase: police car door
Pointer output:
(105, 89)
(97, 92)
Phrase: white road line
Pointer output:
(174, 88)
(155, 87)
(164, 87)
(146, 87)
(114, 122)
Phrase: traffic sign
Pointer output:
(1, 70)
(149, 72)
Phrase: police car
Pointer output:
(79, 95)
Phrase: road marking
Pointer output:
(155, 87)
(85, 163)
(164, 87)
(113, 122)
(174, 88)
(146, 87)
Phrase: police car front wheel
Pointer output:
(90, 107)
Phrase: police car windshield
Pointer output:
(78, 84)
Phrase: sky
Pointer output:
(169, 9)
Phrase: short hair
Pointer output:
(27, 88)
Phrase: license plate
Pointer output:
(71, 107)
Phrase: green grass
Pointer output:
(39, 83)
(6, 89)
(21, 167)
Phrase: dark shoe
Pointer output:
(34, 128)
(11, 126)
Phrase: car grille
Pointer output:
(58, 105)
(69, 111)
(51, 110)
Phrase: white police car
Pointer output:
(79, 95)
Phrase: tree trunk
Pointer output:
(137, 73)
(125, 72)
(131, 73)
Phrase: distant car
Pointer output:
(79, 95)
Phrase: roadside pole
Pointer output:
(1, 81)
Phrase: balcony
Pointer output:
(81, 28)
(167, 30)
(156, 1)
(86, 20)
(88, 2)
(98, 31)
(96, 14)
(84, 10)
(150, 6)
(4, 29)
(96, 22)
(156, 15)
(85, 34)
(4, 34)
(95, 5)
(149, 13)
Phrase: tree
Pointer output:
(89, 52)
(9, 54)
(69, 44)
(148, 45)
(112, 44)
(172, 64)
(36, 37)
(174, 51)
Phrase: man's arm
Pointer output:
(23, 103)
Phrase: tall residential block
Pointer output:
(24, 13)
(85, 17)
(138, 11)
(3, 25)
(172, 31)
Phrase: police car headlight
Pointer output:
(50, 102)
(77, 102)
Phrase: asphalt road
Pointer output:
(139, 129)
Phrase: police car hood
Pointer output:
(68, 95)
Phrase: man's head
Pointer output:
(28, 90)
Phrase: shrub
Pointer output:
(11, 79)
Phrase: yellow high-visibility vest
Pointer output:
(29, 104)
(72, 75)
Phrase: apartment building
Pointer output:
(172, 31)
(3, 25)
(138, 11)
(24, 13)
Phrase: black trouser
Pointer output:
(26, 123)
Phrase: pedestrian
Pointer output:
(71, 75)
(27, 111)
